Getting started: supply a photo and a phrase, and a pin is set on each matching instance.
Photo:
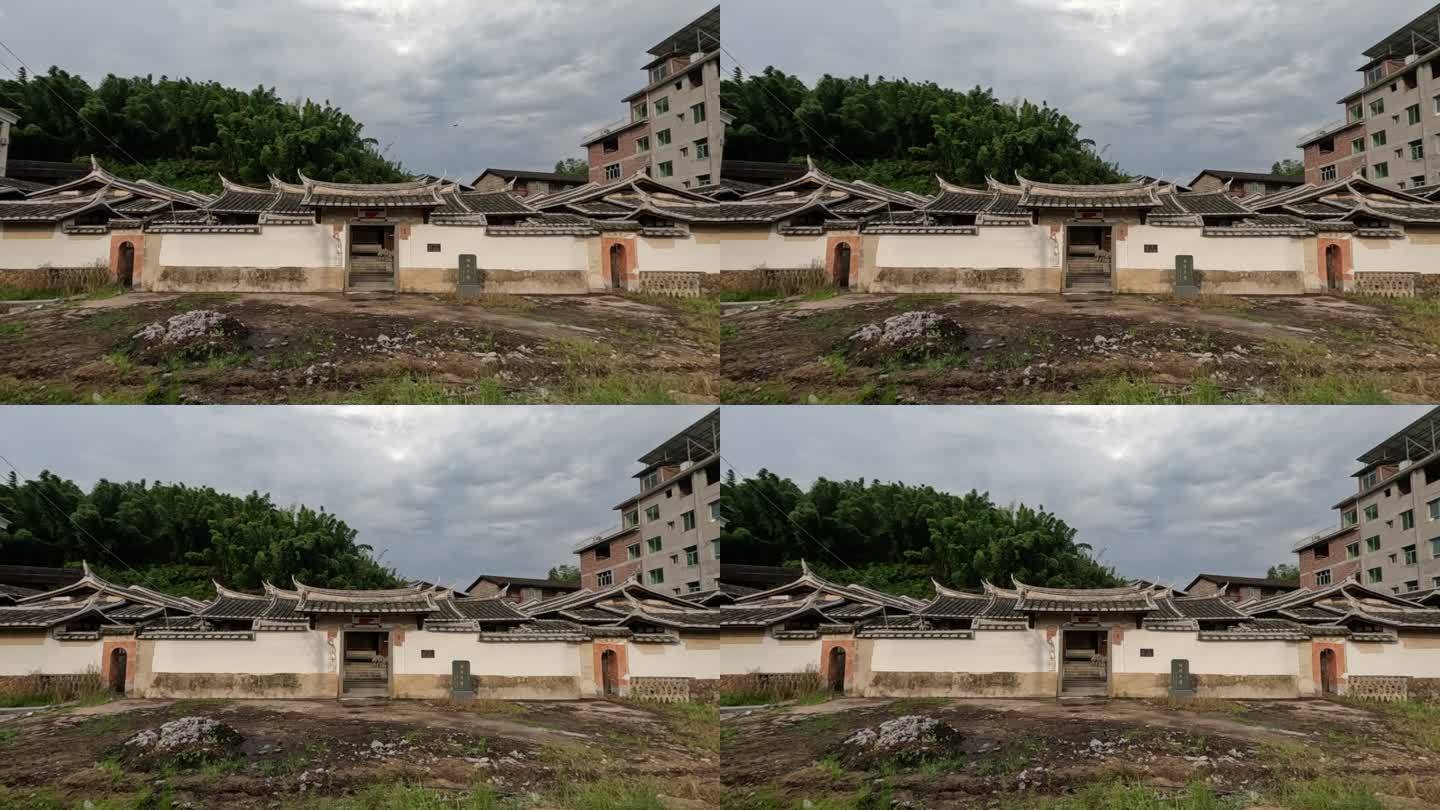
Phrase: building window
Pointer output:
(1412, 556)
(697, 112)
(1437, 98)
(642, 145)
(632, 551)
(602, 552)
(1379, 138)
(1357, 146)
(1377, 107)
(714, 511)
(652, 545)
(631, 519)
(702, 149)
(1407, 519)
(640, 112)
(703, 180)
(1372, 544)
(612, 172)
(663, 137)
(715, 548)
(1417, 181)
(1369, 479)
(1435, 548)
(1374, 575)
(1382, 171)
(1328, 174)
(1372, 512)
(1352, 551)
(1348, 518)
(1417, 152)
(667, 169)
(1412, 586)
(1321, 552)
(687, 521)
(652, 514)
(692, 587)
(1322, 578)
(662, 105)
(1434, 509)
(692, 556)
(1357, 111)
(649, 481)
(657, 576)
(1412, 113)
(605, 579)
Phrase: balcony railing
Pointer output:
(1334, 126)
(1323, 534)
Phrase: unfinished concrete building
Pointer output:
(669, 532)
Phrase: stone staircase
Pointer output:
(367, 679)
(1088, 274)
(369, 273)
(1084, 679)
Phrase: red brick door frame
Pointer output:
(1316, 651)
(847, 647)
(136, 241)
(832, 260)
(107, 655)
(631, 268)
(622, 667)
(1347, 266)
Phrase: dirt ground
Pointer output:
(1033, 753)
(308, 750)
(1090, 350)
(372, 349)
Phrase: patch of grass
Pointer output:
(1333, 389)
(824, 294)
(29, 294)
(125, 318)
(1125, 796)
(194, 301)
(1205, 706)
(407, 390)
(741, 296)
(1329, 794)
(405, 796)
(836, 363)
(946, 362)
(12, 331)
(695, 721)
(821, 321)
(1417, 721)
(121, 361)
(8, 734)
(488, 706)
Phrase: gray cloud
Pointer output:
(1163, 493)
(524, 79)
(1170, 86)
(445, 493)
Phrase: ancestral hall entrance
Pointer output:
(1085, 663)
(1089, 258)
(365, 664)
(371, 263)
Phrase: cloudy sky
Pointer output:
(1163, 493)
(1172, 86)
(453, 86)
(449, 86)
(451, 493)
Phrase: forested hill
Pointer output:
(903, 133)
(183, 132)
(895, 537)
(178, 538)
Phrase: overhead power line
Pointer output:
(793, 522)
(71, 519)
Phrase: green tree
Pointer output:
(1288, 168)
(896, 537)
(568, 574)
(901, 133)
(1284, 572)
(573, 166)
(183, 132)
(176, 538)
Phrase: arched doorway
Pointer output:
(837, 670)
(842, 265)
(117, 670)
(617, 267)
(1329, 680)
(125, 268)
(1334, 271)
(610, 673)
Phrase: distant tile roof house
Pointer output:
(519, 589)
(1244, 184)
(1240, 589)
(526, 183)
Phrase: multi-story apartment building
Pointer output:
(1389, 530)
(670, 530)
(7, 120)
(1390, 132)
(674, 128)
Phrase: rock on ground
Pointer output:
(910, 335)
(194, 335)
(909, 739)
(188, 740)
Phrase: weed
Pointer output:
(836, 363)
(13, 331)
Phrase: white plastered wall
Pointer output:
(712, 252)
(30, 653)
(509, 659)
(1415, 657)
(24, 248)
(988, 652)
(1205, 657)
(683, 660)
(521, 253)
(1234, 254)
(1028, 247)
(275, 246)
(742, 655)
(1410, 255)
(302, 653)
